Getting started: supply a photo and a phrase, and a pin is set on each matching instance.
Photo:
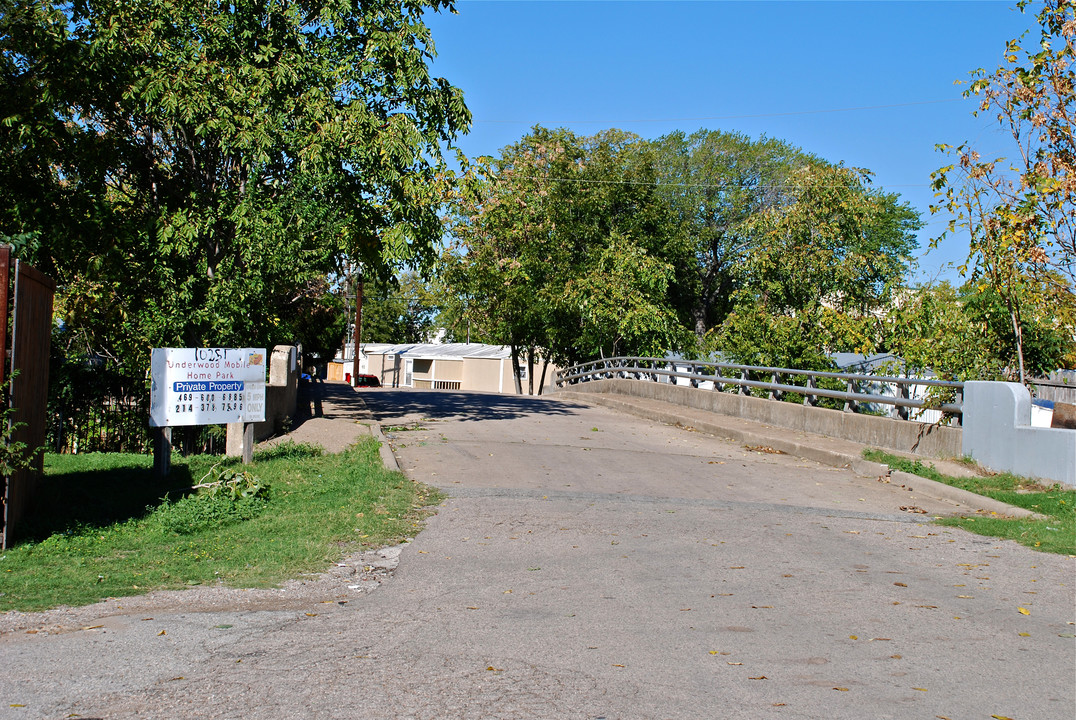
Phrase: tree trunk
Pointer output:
(698, 313)
(1018, 336)
(545, 367)
(530, 370)
(515, 369)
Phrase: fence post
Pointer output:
(743, 388)
(902, 410)
(810, 398)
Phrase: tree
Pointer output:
(821, 271)
(550, 225)
(192, 172)
(965, 333)
(1019, 211)
(716, 183)
(398, 311)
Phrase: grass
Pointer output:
(109, 530)
(1055, 534)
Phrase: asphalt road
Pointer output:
(594, 565)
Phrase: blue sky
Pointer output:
(870, 84)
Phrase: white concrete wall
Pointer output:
(998, 434)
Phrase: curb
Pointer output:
(925, 486)
(388, 459)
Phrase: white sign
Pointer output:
(207, 386)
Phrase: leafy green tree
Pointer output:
(546, 228)
(716, 184)
(1019, 211)
(400, 310)
(192, 172)
(620, 300)
(821, 272)
(931, 330)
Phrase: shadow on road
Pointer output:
(388, 403)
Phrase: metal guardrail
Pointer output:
(744, 377)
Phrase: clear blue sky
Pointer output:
(870, 84)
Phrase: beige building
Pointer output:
(440, 366)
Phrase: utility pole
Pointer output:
(358, 329)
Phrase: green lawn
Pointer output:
(1056, 533)
(110, 530)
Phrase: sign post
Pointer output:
(204, 386)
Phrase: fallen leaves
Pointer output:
(759, 677)
(900, 584)
(842, 689)
(1023, 611)
(764, 449)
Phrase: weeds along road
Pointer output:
(592, 565)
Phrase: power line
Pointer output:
(719, 117)
(650, 183)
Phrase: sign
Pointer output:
(207, 386)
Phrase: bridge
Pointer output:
(987, 421)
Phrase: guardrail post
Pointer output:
(693, 369)
(902, 410)
(958, 399)
(776, 394)
(809, 398)
(851, 405)
(743, 388)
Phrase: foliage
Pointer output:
(715, 185)
(930, 329)
(1056, 533)
(195, 171)
(199, 512)
(556, 218)
(117, 536)
(1020, 214)
(619, 297)
(400, 310)
(820, 271)
(965, 334)
(14, 454)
